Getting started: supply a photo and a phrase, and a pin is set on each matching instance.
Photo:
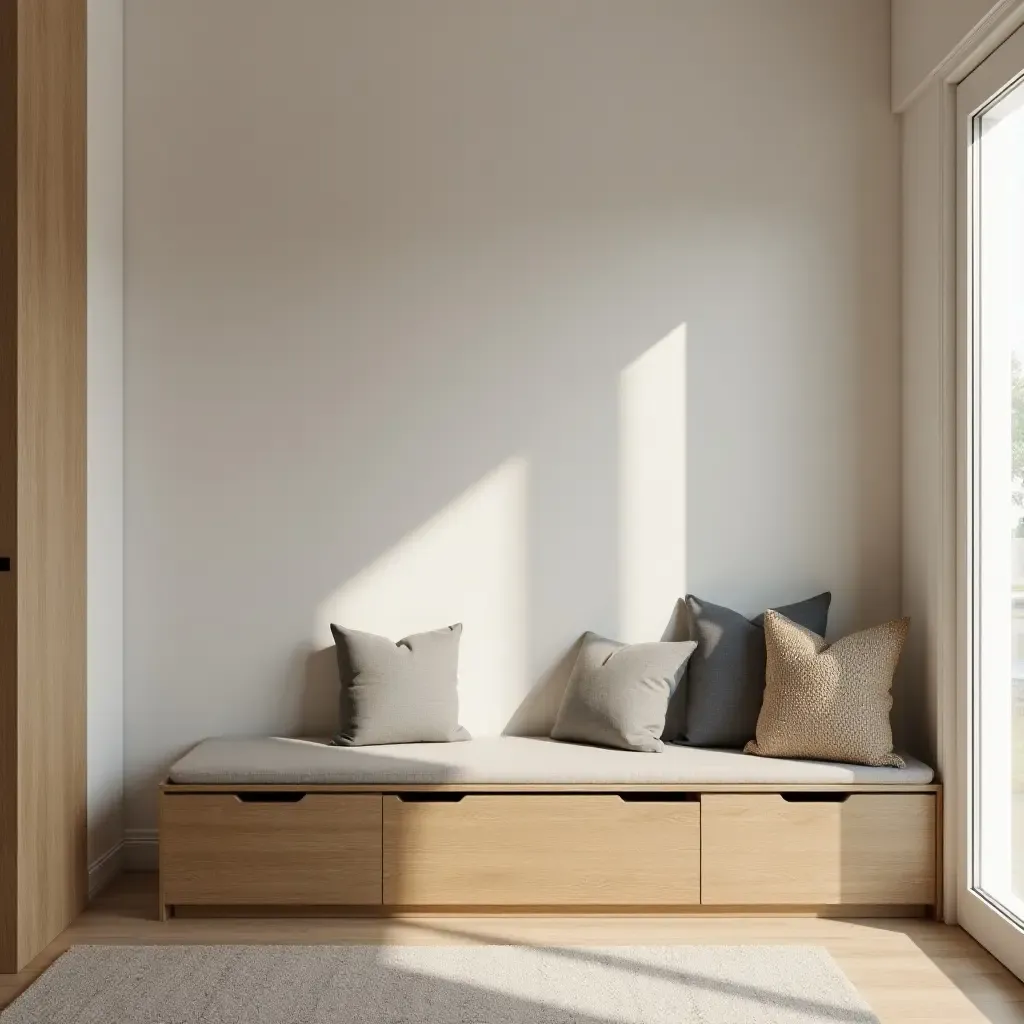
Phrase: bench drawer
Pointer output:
(541, 850)
(271, 848)
(799, 848)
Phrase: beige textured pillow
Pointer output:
(829, 701)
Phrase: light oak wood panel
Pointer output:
(8, 487)
(907, 971)
(323, 849)
(847, 911)
(44, 317)
(492, 850)
(871, 848)
(51, 461)
(555, 787)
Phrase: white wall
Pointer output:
(529, 315)
(105, 456)
(924, 34)
(927, 430)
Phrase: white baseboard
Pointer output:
(141, 849)
(105, 868)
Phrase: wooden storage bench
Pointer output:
(449, 843)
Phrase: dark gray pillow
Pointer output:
(725, 678)
(405, 692)
(618, 693)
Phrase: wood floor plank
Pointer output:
(909, 972)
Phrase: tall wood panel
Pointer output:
(42, 472)
(8, 488)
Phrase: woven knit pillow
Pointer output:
(826, 701)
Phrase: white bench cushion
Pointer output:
(506, 760)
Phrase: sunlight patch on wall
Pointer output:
(467, 564)
(652, 488)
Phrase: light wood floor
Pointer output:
(912, 970)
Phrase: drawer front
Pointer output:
(221, 849)
(541, 850)
(867, 849)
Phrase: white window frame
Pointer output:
(976, 913)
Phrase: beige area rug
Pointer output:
(440, 985)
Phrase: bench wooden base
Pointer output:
(361, 913)
(848, 851)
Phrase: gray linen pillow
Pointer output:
(405, 692)
(725, 680)
(618, 694)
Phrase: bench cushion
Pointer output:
(506, 760)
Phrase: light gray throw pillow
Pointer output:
(725, 679)
(405, 692)
(618, 694)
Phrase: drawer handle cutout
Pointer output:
(271, 798)
(659, 798)
(430, 798)
(815, 798)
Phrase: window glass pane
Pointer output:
(998, 261)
